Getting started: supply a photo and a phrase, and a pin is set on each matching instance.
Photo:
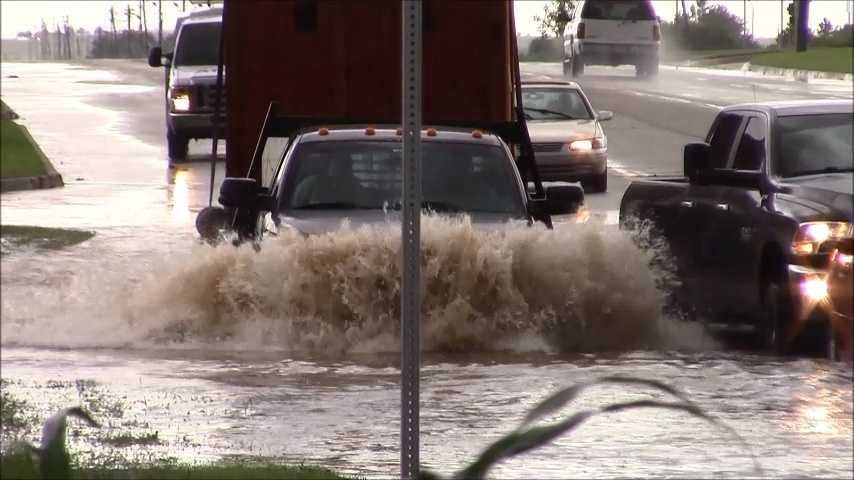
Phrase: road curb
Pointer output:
(801, 75)
(50, 179)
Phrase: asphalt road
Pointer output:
(86, 116)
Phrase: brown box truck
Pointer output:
(341, 58)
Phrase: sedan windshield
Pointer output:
(198, 44)
(554, 104)
(456, 177)
(812, 144)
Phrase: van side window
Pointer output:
(751, 149)
(723, 139)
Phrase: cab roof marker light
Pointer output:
(370, 131)
(323, 131)
(431, 132)
(398, 132)
(476, 134)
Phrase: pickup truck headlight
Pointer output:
(811, 236)
(180, 98)
(597, 143)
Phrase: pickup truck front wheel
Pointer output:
(178, 147)
(777, 321)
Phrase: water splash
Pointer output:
(582, 287)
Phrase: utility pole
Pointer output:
(129, 12)
(802, 21)
(59, 47)
(744, 19)
(114, 47)
(159, 23)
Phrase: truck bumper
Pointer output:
(193, 125)
(614, 54)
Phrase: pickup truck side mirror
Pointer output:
(564, 199)
(605, 115)
(695, 160)
(239, 192)
(155, 57)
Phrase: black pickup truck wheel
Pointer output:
(777, 322)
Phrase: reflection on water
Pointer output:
(821, 410)
(794, 415)
(178, 198)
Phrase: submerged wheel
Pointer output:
(777, 322)
(178, 146)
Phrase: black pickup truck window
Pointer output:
(723, 139)
(751, 149)
(813, 144)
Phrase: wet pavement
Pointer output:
(225, 352)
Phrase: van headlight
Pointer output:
(180, 99)
(812, 235)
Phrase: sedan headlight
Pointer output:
(812, 235)
(180, 98)
(597, 143)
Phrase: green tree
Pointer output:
(555, 18)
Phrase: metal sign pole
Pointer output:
(410, 296)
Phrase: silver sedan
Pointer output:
(569, 142)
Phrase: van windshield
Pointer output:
(198, 44)
(618, 10)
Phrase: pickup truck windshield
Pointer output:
(198, 44)
(456, 177)
(554, 104)
(811, 144)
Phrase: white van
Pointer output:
(191, 72)
(612, 32)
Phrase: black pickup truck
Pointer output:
(754, 224)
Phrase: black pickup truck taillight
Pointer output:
(580, 30)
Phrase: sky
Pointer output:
(21, 15)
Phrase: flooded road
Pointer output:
(200, 353)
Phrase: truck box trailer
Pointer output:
(342, 59)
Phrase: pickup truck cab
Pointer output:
(753, 225)
(353, 173)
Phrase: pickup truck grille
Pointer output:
(548, 147)
(207, 98)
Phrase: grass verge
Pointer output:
(41, 237)
(20, 465)
(828, 59)
(19, 155)
(710, 57)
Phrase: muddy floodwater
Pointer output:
(192, 353)
(201, 353)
